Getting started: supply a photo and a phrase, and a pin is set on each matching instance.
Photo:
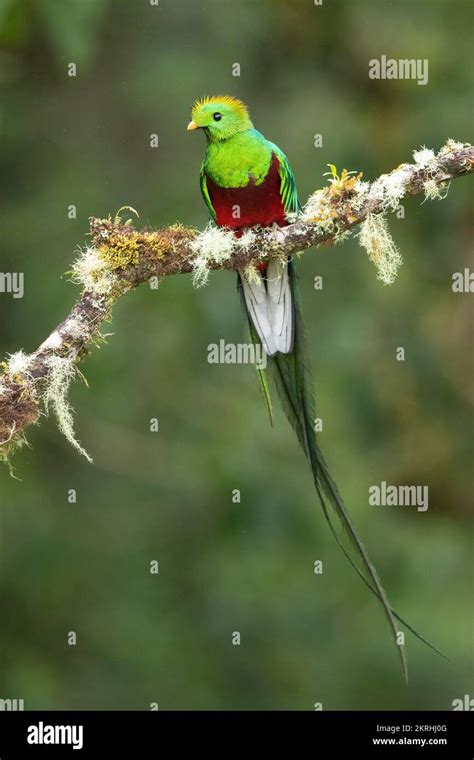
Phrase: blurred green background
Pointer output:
(167, 496)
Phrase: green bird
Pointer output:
(247, 181)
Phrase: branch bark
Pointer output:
(120, 258)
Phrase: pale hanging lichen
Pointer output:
(292, 216)
(213, 245)
(434, 191)
(452, 145)
(247, 239)
(61, 373)
(361, 193)
(252, 275)
(18, 363)
(425, 158)
(91, 270)
(342, 199)
(375, 237)
(319, 211)
(389, 189)
(340, 236)
(19, 405)
(8, 446)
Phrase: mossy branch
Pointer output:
(119, 257)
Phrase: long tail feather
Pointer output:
(371, 588)
(291, 374)
(261, 372)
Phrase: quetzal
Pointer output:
(247, 181)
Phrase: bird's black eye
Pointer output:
(217, 116)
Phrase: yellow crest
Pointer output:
(237, 105)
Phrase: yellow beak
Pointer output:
(191, 126)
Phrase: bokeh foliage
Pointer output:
(167, 496)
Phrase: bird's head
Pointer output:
(221, 117)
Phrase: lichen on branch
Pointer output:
(119, 257)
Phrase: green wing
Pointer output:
(288, 191)
(205, 192)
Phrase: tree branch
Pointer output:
(120, 257)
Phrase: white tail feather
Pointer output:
(270, 307)
(280, 305)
